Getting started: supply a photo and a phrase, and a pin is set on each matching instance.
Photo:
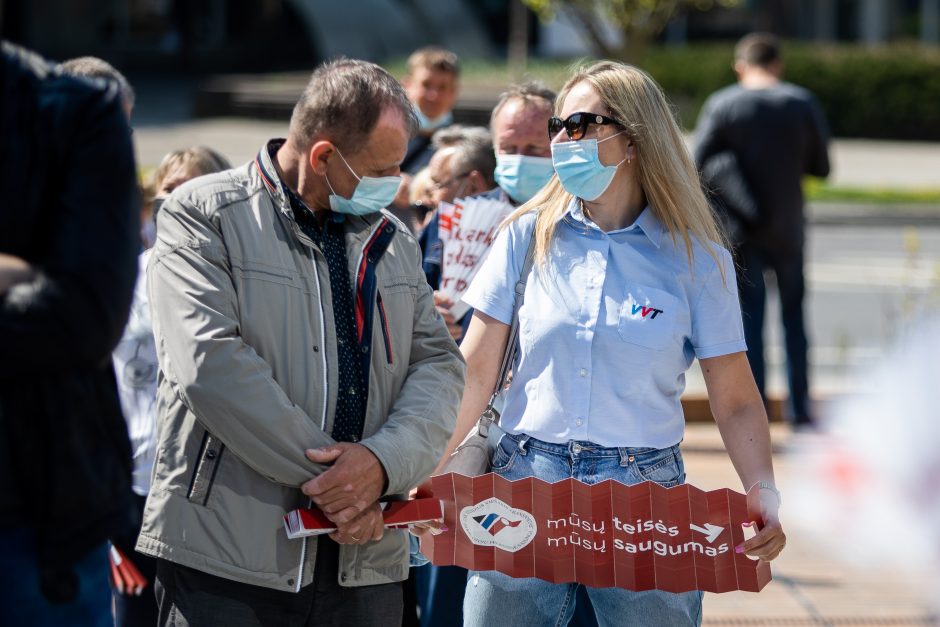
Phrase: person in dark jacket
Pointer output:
(69, 241)
(759, 138)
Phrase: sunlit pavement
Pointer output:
(811, 586)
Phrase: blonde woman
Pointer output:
(184, 164)
(630, 284)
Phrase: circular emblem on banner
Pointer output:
(494, 523)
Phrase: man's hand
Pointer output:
(364, 528)
(13, 270)
(354, 482)
(443, 305)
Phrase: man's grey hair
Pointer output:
(93, 67)
(473, 150)
(531, 93)
(343, 102)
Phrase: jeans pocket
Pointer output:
(663, 466)
(505, 454)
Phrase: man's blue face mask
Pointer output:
(427, 124)
(522, 176)
(371, 195)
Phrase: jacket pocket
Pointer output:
(257, 270)
(386, 334)
(210, 455)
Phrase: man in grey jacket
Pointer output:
(302, 360)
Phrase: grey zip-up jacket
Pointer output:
(248, 378)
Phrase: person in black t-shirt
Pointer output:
(769, 134)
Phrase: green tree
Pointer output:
(639, 21)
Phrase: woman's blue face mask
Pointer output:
(579, 167)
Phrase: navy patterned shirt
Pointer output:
(351, 398)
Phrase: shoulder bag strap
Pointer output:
(509, 354)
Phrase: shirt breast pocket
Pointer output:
(648, 317)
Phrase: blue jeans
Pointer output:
(494, 599)
(788, 270)
(23, 602)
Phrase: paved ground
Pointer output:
(810, 586)
(867, 163)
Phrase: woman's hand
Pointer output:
(763, 510)
(434, 527)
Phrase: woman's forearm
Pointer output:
(483, 349)
(476, 394)
(739, 412)
(747, 439)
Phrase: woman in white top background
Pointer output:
(630, 284)
(135, 369)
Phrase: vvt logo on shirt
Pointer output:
(492, 522)
(646, 311)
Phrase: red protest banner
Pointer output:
(639, 537)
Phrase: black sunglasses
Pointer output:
(576, 124)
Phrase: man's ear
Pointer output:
(739, 67)
(478, 184)
(319, 154)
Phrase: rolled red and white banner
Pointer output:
(640, 537)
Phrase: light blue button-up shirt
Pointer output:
(608, 328)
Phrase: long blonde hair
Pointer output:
(665, 170)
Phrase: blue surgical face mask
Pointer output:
(371, 194)
(580, 170)
(521, 176)
(426, 124)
